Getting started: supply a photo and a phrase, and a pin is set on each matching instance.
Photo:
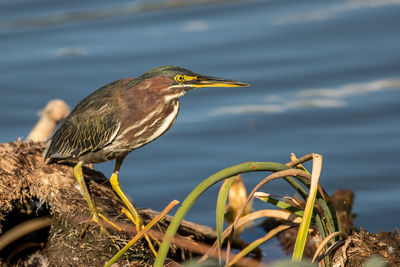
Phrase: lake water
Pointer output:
(325, 78)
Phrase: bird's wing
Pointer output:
(92, 125)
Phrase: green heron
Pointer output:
(120, 117)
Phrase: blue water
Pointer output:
(325, 78)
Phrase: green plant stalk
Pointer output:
(329, 212)
(258, 243)
(308, 211)
(203, 186)
(328, 222)
(324, 244)
(323, 231)
(324, 221)
(323, 226)
(298, 187)
(282, 205)
(220, 211)
(329, 216)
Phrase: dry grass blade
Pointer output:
(143, 232)
(295, 161)
(262, 195)
(278, 214)
(288, 203)
(324, 242)
(331, 248)
(258, 242)
(237, 196)
(22, 229)
(276, 175)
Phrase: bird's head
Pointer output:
(175, 81)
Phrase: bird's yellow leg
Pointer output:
(146, 236)
(95, 215)
(135, 216)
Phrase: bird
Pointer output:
(120, 117)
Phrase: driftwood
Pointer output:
(54, 112)
(47, 198)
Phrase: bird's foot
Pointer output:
(144, 230)
(95, 217)
(139, 227)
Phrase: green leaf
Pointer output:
(200, 189)
(278, 203)
(220, 211)
(308, 211)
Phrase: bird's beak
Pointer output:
(209, 81)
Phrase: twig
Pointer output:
(22, 229)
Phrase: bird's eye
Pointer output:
(179, 78)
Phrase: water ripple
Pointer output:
(103, 13)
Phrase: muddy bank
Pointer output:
(44, 202)
(43, 211)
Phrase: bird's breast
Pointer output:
(148, 128)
